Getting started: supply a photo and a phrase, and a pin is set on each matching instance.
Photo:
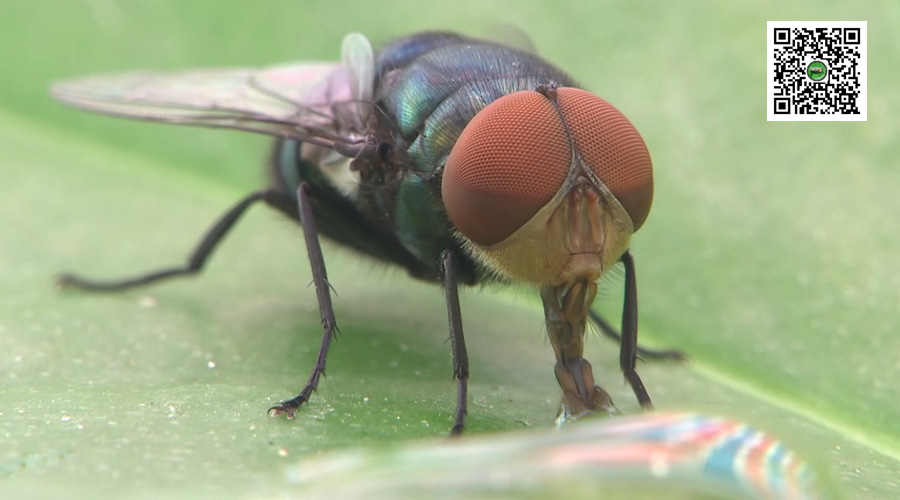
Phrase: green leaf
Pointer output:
(770, 257)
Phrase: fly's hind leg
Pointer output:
(642, 352)
(196, 260)
(284, 202)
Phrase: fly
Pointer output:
(460, 160)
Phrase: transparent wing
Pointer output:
(317, 103)
(512, 36)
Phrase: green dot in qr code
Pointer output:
(816, 70)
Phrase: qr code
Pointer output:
(816, 71)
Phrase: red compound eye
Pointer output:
(612, 148)
(508, 163)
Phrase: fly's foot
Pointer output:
(288, 408)
(68, 281)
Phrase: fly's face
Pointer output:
(548, 186)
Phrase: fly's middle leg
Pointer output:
(323, 296)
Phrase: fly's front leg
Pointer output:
(457, 341)
(628, 350)
(565, 311)
(323, 295)
(197, 258)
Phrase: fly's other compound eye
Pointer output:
(515, 154)
(612, 148)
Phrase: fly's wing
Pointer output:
(358, 58)
(511, 36)
(321, 103)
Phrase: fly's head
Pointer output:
(547, 186)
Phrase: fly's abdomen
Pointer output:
(337, 215)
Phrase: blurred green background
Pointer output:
(770, 255)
